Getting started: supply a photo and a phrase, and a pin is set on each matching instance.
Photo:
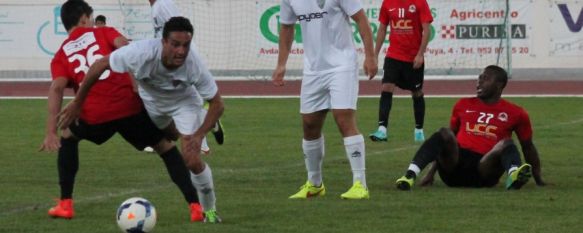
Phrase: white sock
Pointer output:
(313, 157)
(513, 168)
(414, 168)
(204, 146)
(355, 153)
(382, 129)
(203, 183)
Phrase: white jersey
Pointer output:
(326, 33)
(167, 89)
(162, 11)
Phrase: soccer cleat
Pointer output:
(405, 183)
(309, 190)
(518, 177)
(356, 192)
(419, 135)
(219, 133)
(211, 216)
(196, 214)
(378, 136)
(63, 209)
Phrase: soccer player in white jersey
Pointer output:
(173, 82)
(330, 81)
(162, 11)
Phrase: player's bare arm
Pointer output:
(285, 42)
(51, 141)
(120, 41)
(419, 59)
(381, 35)
(531, 156)
(73, 109)
(370, 65)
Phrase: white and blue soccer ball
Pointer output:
(136, 215)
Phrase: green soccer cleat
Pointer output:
(211, 216)
(419, 135)
(405, 183)
(519, 177)
(378, 136)
(308, 190)
(356, 192)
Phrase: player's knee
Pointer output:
(446, 134)
(505, 145)
(417, 93)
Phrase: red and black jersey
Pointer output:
(112, 97)
(480, 126)
(405, 19)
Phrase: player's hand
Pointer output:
(191, 145)
(370, 67)
(538, 179)
(427, 180)
(69, 114)
(51, 143)
(419, 59)
(277, 76)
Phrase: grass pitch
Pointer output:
(261, 164)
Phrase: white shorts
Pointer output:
(336, 90)
(187, 117)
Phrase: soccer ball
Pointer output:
(136, 215)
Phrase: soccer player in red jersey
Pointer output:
(409, 21)
(478, 147)
(112, 106)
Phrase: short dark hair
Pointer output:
(72, 11)
(101, 18)
(500, 73)
(177, 24)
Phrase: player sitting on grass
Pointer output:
(477, 148)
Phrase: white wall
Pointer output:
(228, 34)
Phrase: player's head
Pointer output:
(76, 13)
(491, 82)
(176, 38)
(100, 21)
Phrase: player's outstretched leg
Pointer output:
(519, 177)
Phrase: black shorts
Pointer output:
(137, 129)
(403, 75)
(466, 173)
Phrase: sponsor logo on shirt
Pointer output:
(311, 16)
(481, 129)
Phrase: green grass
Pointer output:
(261, 164)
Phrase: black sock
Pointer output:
(429, 150)
(419, 111)
(385, 105)
(410, 174)
(510, 157)
(179, 174)
(68, 165)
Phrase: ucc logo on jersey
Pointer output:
(309, 17)
(482, 130)
(402, 24)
